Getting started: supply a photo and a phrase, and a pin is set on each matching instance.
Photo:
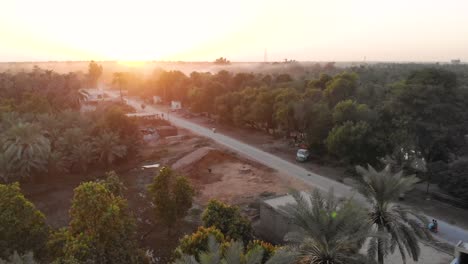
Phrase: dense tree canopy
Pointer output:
(171, 196)
(101, 228)
(94, 72)
(228, 220)
(23, 227)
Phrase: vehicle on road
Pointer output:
(433, 226)
(302, 155)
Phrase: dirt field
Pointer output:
(234, 180)
(215, 172)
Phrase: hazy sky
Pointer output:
(323, 30)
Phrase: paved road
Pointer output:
(448, 233)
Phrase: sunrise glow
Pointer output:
(203, 30)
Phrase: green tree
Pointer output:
(101, 228)
(108, 149)
(282, 78)
(228, 220)
(224, 106)
(57, 163)
(320, 83)
(23, 227)
(222, 61)
(234, 253)
(114, 119)
(26, 148)
(82, 156)
(329, 232)
(317, 122)
(268, 249)
(70, 138)
(284, 109)
(427, 108)
(350, 110)
(197, 242)
(94, 72)
(120, 80)
(16, 258)
(351, 142)
(402, 226)
(343, 86)
(455, 180)
(262, 109)
(113, 183)
(171, 196)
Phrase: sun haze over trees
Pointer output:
(94, 73)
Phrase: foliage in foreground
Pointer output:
(228, 220)
(329, 232)
(401, 227)
(16, 258)
(171, 196)
(22, 226)
(234, 253)
(101, 228)
(198, 241)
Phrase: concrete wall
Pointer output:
(274, 225)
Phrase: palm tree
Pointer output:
(120, 80)
(70, 138)
(329, 232)
(26, 148)
(82, 155)
(234, 254)
(5, 168)
(50, 125)
(108, 149)
(402, 226)
(76, 96)
(26, 258)
(57, 163)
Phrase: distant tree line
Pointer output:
(358, 116)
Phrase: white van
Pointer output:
(302, 155)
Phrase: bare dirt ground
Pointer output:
(217, 173)
(234, 180)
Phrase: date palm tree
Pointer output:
(120, 80)
(25, 148)
(57, 163)
(234, 254)
(108, 149)
(82, 155)
(402, 226)
(76, 96)
(328, 230)
(5, 168)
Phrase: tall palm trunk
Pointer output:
(380, 253)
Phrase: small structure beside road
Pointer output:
(176, 105)
(157, 99)
(461, 253)
(275, 223)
